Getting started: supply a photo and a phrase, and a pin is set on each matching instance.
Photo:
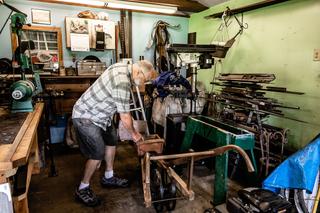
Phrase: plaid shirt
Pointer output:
(108, 95)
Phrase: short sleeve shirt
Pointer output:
(109, 94)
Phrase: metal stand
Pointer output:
(193, 106)
(53, 171)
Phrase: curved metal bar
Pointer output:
(213, 152)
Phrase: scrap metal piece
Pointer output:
(246, 77)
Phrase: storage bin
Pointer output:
(58, 131)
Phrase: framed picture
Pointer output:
(40, 16)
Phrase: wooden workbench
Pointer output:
(23, 151)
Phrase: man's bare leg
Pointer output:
(90, 168)
(110, 152)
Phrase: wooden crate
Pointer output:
(152, 143)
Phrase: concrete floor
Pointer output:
(56, 194)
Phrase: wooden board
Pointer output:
(17, 153)
(21, 155)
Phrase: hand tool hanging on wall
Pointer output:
(126, 33)
(160, 38)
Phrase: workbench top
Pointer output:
(17, 153)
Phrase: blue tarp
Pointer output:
(299, 171)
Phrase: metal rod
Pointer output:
(213, 152)
(134, 104)
(13, 8)
(168, 199)
(5, 23)
(262, 111)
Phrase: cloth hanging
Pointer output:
(160, 39)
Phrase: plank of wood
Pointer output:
(181, 185)
(21, 155)
(4, 167)
(145, 186)
(4, 149)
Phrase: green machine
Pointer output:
(23, 90)
(220, 134)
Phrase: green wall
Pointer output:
(280, 39)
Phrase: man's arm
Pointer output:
(128, 124)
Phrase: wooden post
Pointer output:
(191, 165)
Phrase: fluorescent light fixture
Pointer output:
(141, 6)
(88, 2)
(127, 5)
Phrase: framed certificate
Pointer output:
(40, 16)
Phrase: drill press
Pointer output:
(23, 90)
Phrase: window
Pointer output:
(47, 42)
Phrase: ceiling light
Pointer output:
(141, 6)
(126, 5)
(92, 2)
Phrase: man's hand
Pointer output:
(136, 136)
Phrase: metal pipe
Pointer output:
(168, 199)
(213, 152)
(142, 109)
(13, 8)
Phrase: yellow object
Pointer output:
(316, 202)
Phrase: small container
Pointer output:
(62, 71)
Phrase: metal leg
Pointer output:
(220, 179)
(220, 184)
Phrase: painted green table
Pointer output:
(220, 134)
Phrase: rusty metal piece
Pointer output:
(246, 77)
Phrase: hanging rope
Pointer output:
(160, 39)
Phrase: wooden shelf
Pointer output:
(69, 77)
(247, 8)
